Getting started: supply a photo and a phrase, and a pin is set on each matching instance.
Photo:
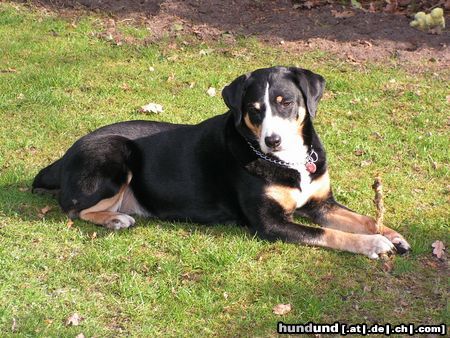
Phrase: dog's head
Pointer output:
(271, 105)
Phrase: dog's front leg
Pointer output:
(332, 215)
(272, 223)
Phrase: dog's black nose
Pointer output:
(273, 140)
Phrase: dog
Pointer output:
(257, 165)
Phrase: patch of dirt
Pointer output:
(374, 33)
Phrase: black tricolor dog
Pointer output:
(255, 165)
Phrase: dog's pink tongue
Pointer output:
(311, 167)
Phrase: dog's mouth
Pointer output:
(274, 151)
(269, 150)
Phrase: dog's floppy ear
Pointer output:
(312, 86)
(232, 95)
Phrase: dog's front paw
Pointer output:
(120, 221)
(375, 245)
(400, 243)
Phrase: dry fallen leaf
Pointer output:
(8, 70)
(151, 108)
(391, 6)
(342, 15)
(191, 277)
(211, 91)
(171, 77)
(69, 223)
(44, 211)
(282, 309)
(439, 249)
(377, 135)
(309, 4)
(359, 152)
(80, 335)
(74, 320)
(14, 325)
(366, 163)
(125, 86)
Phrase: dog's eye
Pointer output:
(286, 103)
(253, 110)
(254, 114)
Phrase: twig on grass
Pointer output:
(378, 200)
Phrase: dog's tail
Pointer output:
(48, 178)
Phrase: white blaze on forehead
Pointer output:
(267, 124)
(267, 103)
(292, 148)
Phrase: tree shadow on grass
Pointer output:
(17, 201)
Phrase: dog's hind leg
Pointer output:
(106, 212)
(95, 178)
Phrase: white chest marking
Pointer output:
(294, 198)
(319, 188)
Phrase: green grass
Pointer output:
(184, 279)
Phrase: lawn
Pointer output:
(61, 78)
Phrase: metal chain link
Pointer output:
(311, 158)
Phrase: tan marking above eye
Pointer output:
(279, 99)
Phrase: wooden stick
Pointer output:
(378, 200)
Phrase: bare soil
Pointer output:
(370, 34)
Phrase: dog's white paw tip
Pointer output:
(377, 245)
(120, 222)
(373, 256)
